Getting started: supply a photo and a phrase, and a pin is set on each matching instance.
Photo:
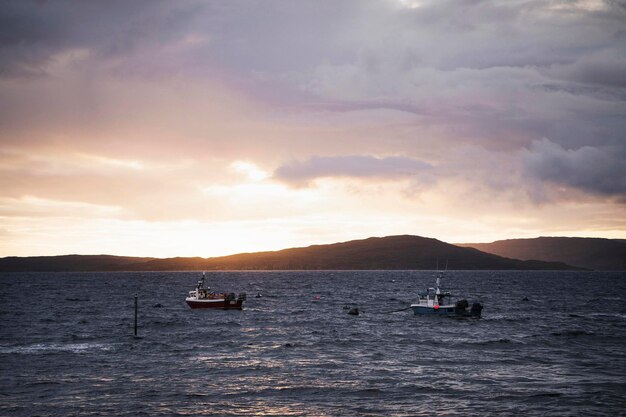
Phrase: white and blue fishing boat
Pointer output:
(203, 297)
(435, 301)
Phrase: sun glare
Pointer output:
(410, 4)
(250, 170)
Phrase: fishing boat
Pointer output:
(435, 301)
(203, 297)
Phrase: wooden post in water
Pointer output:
(135, 315)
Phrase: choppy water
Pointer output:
(67, 346)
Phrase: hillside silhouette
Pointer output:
(392, 252)
(590, 253)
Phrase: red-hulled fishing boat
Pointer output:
(203, 297)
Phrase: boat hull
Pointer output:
(215, 304)
(424, 310)
(419, 310)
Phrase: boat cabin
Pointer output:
(433, 297)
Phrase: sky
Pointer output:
(206, 128)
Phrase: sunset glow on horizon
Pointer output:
(199, 128)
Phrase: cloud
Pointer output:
(28, 206)
(605, 69)
(599, 171)
(503, 70)
(355, 166)
(33, 32)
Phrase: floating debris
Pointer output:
(354, 311)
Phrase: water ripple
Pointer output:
(295, 352)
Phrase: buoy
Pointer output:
(135, 315)
(436, 307)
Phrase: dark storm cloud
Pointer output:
(595, 170)
(247, 36)
(33, 32)
(603, 70)
(355, 166)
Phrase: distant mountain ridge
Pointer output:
(391, 252)
(69, 263)
(589, 253)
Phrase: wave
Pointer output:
(509, 319)
(44, 348)
(573, 333)
(501, 341)
(547, 394)
(607, 315)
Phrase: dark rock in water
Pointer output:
(354, 311)
(158, 305)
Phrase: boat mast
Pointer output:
(201, 282)
(439, 276)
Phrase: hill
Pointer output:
(69, 263)
(589, 253)
(392, 252)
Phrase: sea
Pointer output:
(548, 344)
